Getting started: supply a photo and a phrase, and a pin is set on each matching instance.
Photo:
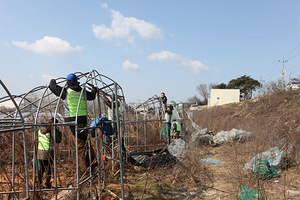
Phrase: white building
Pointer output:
(223, 96)
(293, 86)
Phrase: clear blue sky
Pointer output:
(148, 46)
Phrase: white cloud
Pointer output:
(47, 77)
(126, 28)
(128, 65)
(50, 46)
(167, 56)
(5, 44)
(30, 76)
(44, 79)
(104, 5)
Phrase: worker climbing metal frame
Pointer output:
(27, 117)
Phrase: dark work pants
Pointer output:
(82, 145)
(45, 167)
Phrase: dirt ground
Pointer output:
(229, 177)
(274, 120)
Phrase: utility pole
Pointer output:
(283, 72)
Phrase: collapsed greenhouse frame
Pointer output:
(28, 117)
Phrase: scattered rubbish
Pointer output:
(263, 170)
(158, 158)
(210, 161)
(277, 181)
(202, 137)
(248, 194)
(66, 194)
(208, 193)
(293, 193)
(274, 157)
(234, 135)
(190, 194)
(177, 147)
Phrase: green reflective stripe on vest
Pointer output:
(178, 126)
(72, 99)
(44, 141)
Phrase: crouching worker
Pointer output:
(176, 128)
(105, 126)
(46, 151)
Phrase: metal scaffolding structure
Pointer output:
(18, 133)
(136, 129)
(147, 124)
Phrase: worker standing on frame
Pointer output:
(168, 118)
(71, 94)
(164, 100)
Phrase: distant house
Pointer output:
(293, 86)
(223, 96)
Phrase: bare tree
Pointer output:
(272, 87)
(204, 90)
(194, 100)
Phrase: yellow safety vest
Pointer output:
(44, 141)
(73, 99)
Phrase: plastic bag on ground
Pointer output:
(274, 157)
(177, 147)
(231, 136)
(210, 161)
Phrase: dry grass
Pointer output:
(274, 119)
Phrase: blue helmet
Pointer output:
(72, 77)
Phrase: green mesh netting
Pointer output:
(165, 130)
(263, 170)
(248, 194)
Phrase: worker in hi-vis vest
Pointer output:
(45, 151)
(176, 128)
(168, 118)
(112, 106)
(71, 95)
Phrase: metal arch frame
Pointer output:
(122, 122)
(159, 111)
(93, 77)
(13, 146)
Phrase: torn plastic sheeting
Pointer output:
(274, 157)
(210, 161)
(231, 136)
(197, 134)
(177, 147)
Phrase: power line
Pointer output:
(295, 56)
(292, 51)
(271, 74)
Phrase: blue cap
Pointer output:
(72, 77)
